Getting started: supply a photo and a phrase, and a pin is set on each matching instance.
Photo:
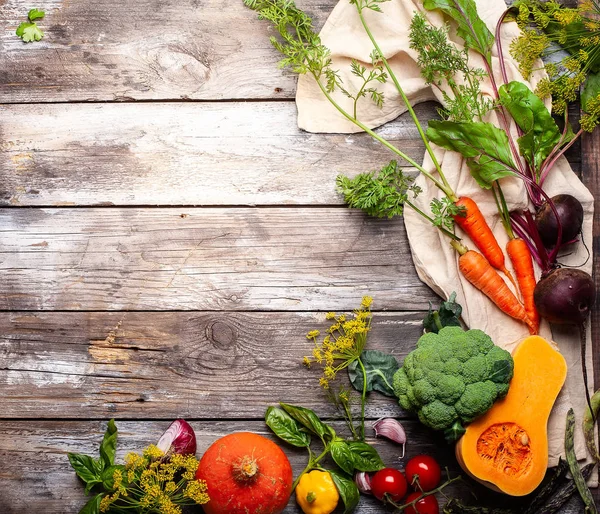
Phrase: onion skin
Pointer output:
(178, 438)
(565, 296)
(570, 213)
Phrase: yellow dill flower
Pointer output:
(329, 373)
(135, 461)
(197, 491)
(344, 396)
(170, 487)
(330, 315)
(166, 506)
(324, 383)
(105, 503)
(523, 16)
(130, 475)
(306, 362)
(341, 318)
(367, 301)
(586, 6)
(153, 452)
(318, 356)
(313, 334)
(566, 16)
(527, 49)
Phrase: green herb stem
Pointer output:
(446, 186)
(445, 231)
(363, 399)
(312, 464)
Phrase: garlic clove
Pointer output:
(363, 482)
(391, 429)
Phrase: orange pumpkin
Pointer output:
(506, 449)
(245, 473)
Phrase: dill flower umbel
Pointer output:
(154, 483)
(549, 26)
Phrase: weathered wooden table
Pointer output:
(168, 236)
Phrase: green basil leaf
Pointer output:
(107, 476)
(342, 455)
(35, 14)
(365, 457)
(85, 467)
(93, 506)
(347, 489)
(484, 146)
(286, 428)
(591, 90)
(471, 27)
(448, 315)
(540, 132)
(310, 420)
(108, 448)
(380, 368)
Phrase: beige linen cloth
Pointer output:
(436, 262)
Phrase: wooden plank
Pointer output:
(204, 259)
(181, 154)
(591, 178)
(167, 365)
(107, 50)
(36, 477)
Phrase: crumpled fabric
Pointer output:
(435, 261)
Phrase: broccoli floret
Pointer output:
(453, 377)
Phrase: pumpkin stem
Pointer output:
(245, 469)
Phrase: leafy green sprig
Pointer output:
(28, 31)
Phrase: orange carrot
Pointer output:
(520, 256)
(478, 271)
(474, 224)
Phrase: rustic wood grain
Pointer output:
(35, 475)
(204, 259)
(107, 50)
(182, 154)
(591, 178)
(166, 365)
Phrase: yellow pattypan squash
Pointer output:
(316, 493)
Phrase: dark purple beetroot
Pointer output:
(570, 213)
(565, 296)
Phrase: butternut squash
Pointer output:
(506, 449)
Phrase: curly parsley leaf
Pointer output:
(444, 211)
(381, 194)
(29, 32)
(35, 14)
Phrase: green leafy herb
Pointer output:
(108, 447)
(309, 420)
(29, 31)
(365, 457)
(286, 428)
(87, 469)
(93, 506)
(541, 133)
(35, 14)
(379, 370)
(444, 211)
(582, 487)
(342, 455)
(485, 147)
(471, 27)
(348, 491)
(381, 194)
(441, 63)
(375, 74)
(448, 315)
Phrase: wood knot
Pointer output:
(221, 335)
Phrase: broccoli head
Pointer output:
(453, 377)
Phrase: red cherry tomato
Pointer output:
(427, 505)
(426, 470)
(389, 481)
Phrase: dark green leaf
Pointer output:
(365, 457)
(591, 90)
(501, 369)
(347, 489)
(107, 476)
(35, 14)
(310, 420)
(484, 146)
(380, 368)
(108, 448)
(286, 428)
(455, 432)
(93, 506)
(471, 27)
(540, 132)
(448, 315)
(85, 467)
(342, 455)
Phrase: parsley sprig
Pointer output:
(29, 31)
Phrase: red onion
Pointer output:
(178, 438)
(363, 482)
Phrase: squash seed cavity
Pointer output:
(506, 447)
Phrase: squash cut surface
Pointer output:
(506, 449)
